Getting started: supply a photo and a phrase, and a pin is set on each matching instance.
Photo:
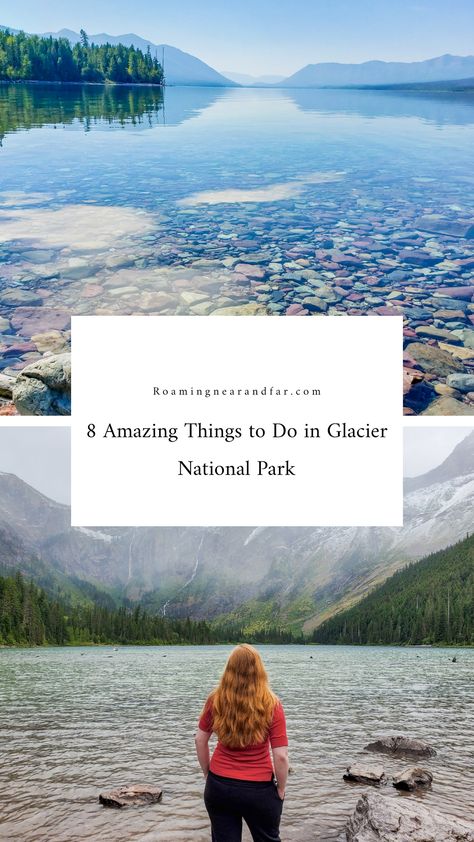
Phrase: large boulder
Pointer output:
(378, 818)
(401, 745)
(44, 387)
(364, 774)
(413, 778)
(131, 796)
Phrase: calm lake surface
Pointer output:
(238, 201)
(76, 721)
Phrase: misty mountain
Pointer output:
(252, 81)
(180, 68)
(442, 68)
(299, 576)
(456, 465)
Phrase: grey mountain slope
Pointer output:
(441, 68)
(457, 464)
(212, 571)
(180, 68)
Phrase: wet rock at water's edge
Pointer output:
(364, 774)
(44, 387)
(401, 745)
(378, 818)
(131, 796)
(412, 779)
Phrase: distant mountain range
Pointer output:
(440, 69)
(296, 577)
(185, 69)
(252, 81)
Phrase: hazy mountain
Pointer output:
(180, 68)
(457, 464)
(298, 574)
(251, 81)
(442, 68)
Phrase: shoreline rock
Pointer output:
(379, 818)
(400, 745)
(131, 796)
(365, 774)
(412, 779)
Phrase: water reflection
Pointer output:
(440, 108)
(28, 106)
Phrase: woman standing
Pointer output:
(242, 783)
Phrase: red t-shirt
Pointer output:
(252, 763)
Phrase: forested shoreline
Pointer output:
(48, 59)
(430, 602)
(30, 617)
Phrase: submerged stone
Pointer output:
(433, 360)
(401, 745)
(441, 225)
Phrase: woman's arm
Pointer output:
(201, 741)
(281, 764)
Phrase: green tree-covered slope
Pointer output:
(431, 601)
(31, 617)
(31, 57)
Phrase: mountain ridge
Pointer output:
(376, 72)
(300, 576)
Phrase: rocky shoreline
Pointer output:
(379, 818)
(295, 257)
(376, 816)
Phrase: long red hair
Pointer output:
(242, 703)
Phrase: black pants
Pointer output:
(229, 801)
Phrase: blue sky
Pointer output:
(267, 36)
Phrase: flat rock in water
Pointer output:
(416, 257)
(365, 774)
(433, 360)
(401, 745)
(463, 293)
(131, 796)
(440, 225)
(413, 778)
(378, 818)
